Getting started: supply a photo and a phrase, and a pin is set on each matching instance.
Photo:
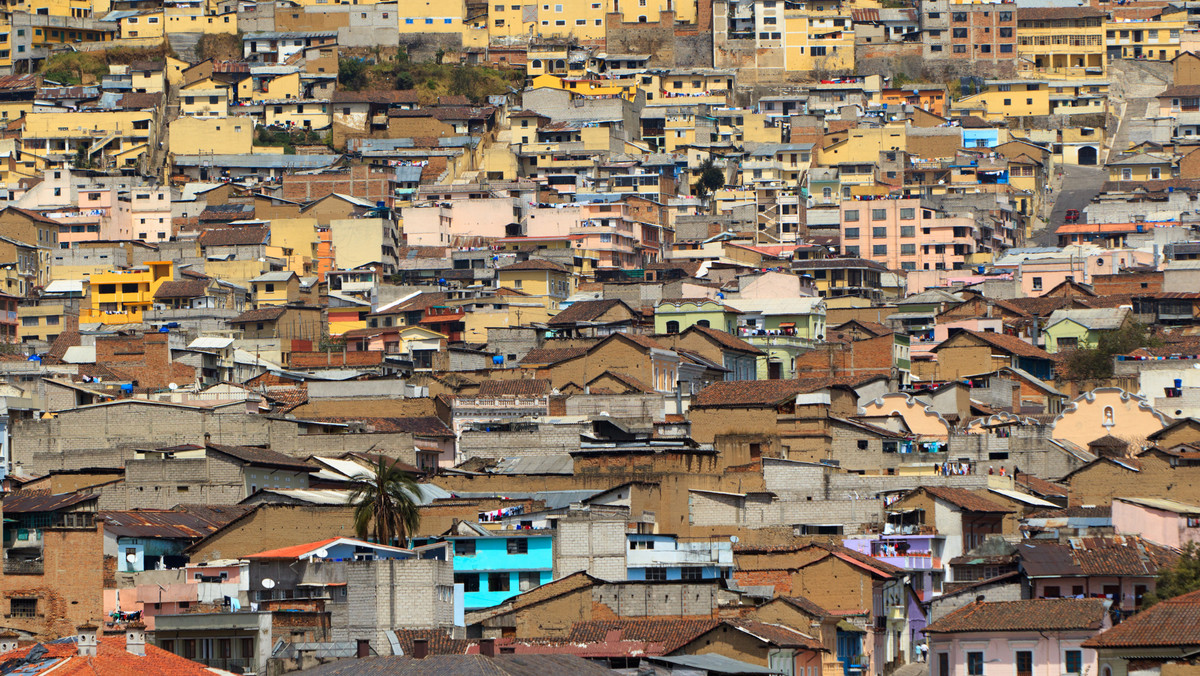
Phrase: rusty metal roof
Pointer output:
(185, 523)
(28, 502)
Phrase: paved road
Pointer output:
(1079, 186)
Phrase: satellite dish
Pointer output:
(268, 583)
(322, 553)
(733, 539)
(131, 557)
(172, 387)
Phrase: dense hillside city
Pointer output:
(652, 338)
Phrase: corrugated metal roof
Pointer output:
(210, 343)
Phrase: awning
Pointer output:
(846, 625)
(787, 325)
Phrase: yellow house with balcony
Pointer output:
(1063, 41)
(1154, 38)
(1002, 99)
(121, 296)
(120, 136)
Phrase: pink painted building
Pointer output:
(606, 228)
(1163, 522)
(85, 222)
(143, 214)
(1017, 638)
(906, 234)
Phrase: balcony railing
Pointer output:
(22, 567)
(238, 665)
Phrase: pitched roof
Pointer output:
(262, 314)
(237, 236)
(526, 387)
(112, 658)
(1095, 320)
(1038, 486)
(520, 664)
(24, 502)
(1001, 341)
(187, 288)
(747, 393)
(724, 339)
(552, 355)
(965, 499)
(254, 455)
(178, 523)
(534, 264)
(587, 311)
(777, 634)
(671, 633)
(1029, 615)
(1180, 91)
(1122, 555)
(1171, 623)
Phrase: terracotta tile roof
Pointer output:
(1001, 341)
(638, 339)
(112, 659)
(552, 355)
(1039, 486)
(626, 379)
(262, 314)
(376, 96)
(671, 633)
(140, 100)
(586, 311)
(1074, 512)
(534, 264)
(1057, 13)
(188, 288)
(437, 641)
(805, 605)
(965, 499)
(430, 426)
(756, 394)
(1181, 91)
(1030, 615)
(777, 634)
(1117, 555)
(527, 387)
(262, 456)
(1042, 306)
(724, 339)
(237, 236)
(421, 301)
(1172, 623)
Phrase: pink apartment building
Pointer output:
(905, 234)
(606, 228)
(1164, 522)
(85, 222)
(143, 214)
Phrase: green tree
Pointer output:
(1181, 578)
(385, 505)
(711, 180)
(352, 74)
(1097, 363)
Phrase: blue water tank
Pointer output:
(127, 388)
(497, 359)
(1179, 383)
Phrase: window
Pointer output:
(879, 214)
(1004, 17)
(816, 51)
(499, 581)
(1006, 49)
(1006, 32)
(908, 215)
(691, 573)
(879, 250)
(530, 579)
(850, 216)
(975, 664)
(464, 548)
(879, 233)
(469, 581)
(1024, 663)
(852, 251)
(960, 32)
(518, 546)
(851, 233)
(656, 574)
(959, 17)
(908, 249)
(1073, 660)
(23, 607)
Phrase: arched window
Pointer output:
(672, 326)
(703, 322)
(536, 63)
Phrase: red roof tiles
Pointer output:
(1030, 615)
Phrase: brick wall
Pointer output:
(595, 545)
(391, 594)
(145, 358)
(68, 592)
(359, 181)
(1127, 282)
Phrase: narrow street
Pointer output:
(1079, 185)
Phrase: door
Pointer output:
(943, 664)
(1024, 663)
(1088, 156)
(849, 647)
(774, 370)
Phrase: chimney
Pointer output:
(364, 648)
(135, 638)
(8, 641)
(420, 648)
(85, 637)
(207, 438)
(487, 647)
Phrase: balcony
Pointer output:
(778, 341)
(237, 665)
(914, 561)
(706, 556)
(24, 567)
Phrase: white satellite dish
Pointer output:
(132, 558)
(733, 539)
(322, 553)
(172, 387)
(268, 583)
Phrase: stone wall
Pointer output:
(544, 439)
(391, 594)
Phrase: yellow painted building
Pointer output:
(220, 136)
(862, 145)
(817, 41)
(73, 9)
(1007, 98)
(121, 137)
(282, 87)
(41, 322)
(192, 20)
(120, 297)
(146, 24)
(501, 312)
(195, 102)
(1157, 38)
(1062, 41)
(303, 113)
(586, 87)
(539, 280)
(1141, 167)
(298, 235)
(431, 16)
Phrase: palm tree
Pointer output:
(385, 505)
